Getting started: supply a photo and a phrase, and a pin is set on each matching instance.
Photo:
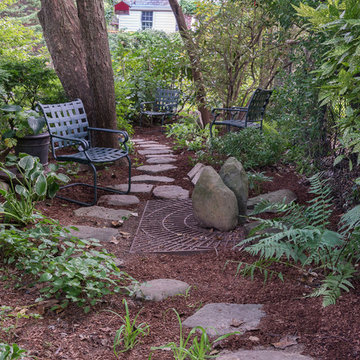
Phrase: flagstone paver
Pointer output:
(154, 151)
(88, 232)
(221, 318)
(152, 178)
(154, 146)
(262, 355)
(118, 200)
(159, 156)
(170, 192)
(160, 160)
(102, 213)
(156, 168)
(160, 289)
(135, 188)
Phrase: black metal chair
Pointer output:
(243, 117)
(165, 105)
(69, 128)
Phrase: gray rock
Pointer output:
(160, 289)
(154, 147)
(151, 178)
(154, 151)
(262, 355)
(88, 232)
(160, 160)
(278, 196)
(234, 177)
(102, 213)
(214, 204)
(156, 168)
(195, 170)
(159, 155)
(171, 192)
(222, 318)
(118, 200)
(135, 188)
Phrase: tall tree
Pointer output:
(194, 57)
(76, 36)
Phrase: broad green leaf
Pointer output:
(41, 185)
(27, 163)
(45, 277)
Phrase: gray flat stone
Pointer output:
(156, 168)
(118, 200)
(171, 192)
(262, 355)
(154, 151)
(273, 197)
(159, 155)
(222, 318)
(152, 178)
(88, 232)
(160, 160)
(135, 188)
(102, 213)
(154, 147)
(195, 170)
(160, 289)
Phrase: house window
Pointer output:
(146, 20)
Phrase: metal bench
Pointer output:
(243, 117)
(69, 128)
(165, 105)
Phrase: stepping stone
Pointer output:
(151, 178)
(154, 146)
(154, 151)
(102, 213)
(219, 319)
(159, 156)
(262, 355)
(135, 188)
(118, 200)
(160, 289)
(171, 192)
(195, 173)
(156, 168)
(278, 196)
(88, 232)
(160, 160)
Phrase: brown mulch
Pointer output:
(323, 333)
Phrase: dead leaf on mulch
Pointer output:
(286, 342)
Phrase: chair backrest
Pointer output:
(257, 105)
(167, 100)
(66, 119)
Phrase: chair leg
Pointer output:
(141, 115)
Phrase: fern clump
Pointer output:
(301, 238)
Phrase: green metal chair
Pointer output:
(243, 117)
(69, 128)
(165, 105)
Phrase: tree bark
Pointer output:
(77, 41)
(194, 60)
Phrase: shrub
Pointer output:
(251, 147)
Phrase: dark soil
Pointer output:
(323, 333)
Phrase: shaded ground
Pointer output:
(324, 333)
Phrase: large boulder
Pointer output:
(214, 204)
(235, 178)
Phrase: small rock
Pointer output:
(135, 188)
(170, 192)
(102, 213)
(118, 200)
(160, 160)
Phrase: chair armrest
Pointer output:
(123, 133)
(144, 103)
(83, 142)
(216, 112)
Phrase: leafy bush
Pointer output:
(71, 269)
(11, 352)
(251, 147)
(304, 239)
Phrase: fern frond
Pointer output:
(350, 220)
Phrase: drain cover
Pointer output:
(168, 226)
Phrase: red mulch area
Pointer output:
(324, 333)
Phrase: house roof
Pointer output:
(149, 5)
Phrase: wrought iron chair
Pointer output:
(69, 128)
(243, 117)
(165, 105)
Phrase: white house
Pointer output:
(136, 15)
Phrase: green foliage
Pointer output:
(302, 237)
(11, 352)
(251, 147)
(70, 269)
(193, 347)
(187, 133)
(30, 185)
(127, 336)
(256, 179)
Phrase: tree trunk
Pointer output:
(194, 60)
(77, 41)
